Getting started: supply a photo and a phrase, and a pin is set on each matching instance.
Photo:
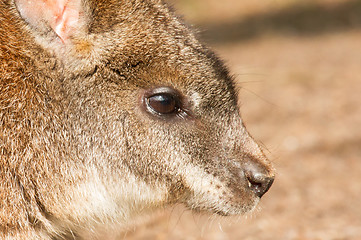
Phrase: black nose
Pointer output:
(259, 180)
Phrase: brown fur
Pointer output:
(77, 149)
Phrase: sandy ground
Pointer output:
(299, 65)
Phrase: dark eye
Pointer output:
(163, 103)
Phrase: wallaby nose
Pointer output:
(259, 179)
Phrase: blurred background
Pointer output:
(299, 65)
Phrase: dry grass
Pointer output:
(301, 79)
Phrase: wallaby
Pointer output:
(110, 109)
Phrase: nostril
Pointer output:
(259, 183)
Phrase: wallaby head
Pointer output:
(110, 108)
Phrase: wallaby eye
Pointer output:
(163, 103)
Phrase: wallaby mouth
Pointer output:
(229, 189)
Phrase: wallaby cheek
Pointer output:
(116, 198)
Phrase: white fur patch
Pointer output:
(196, 98)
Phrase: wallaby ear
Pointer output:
(63, 16)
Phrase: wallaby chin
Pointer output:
(109, 110)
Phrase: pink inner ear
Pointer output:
(66, 17)
(61, 15)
